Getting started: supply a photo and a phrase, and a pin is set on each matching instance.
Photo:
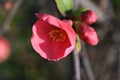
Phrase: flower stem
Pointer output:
(86, 63)
(76, 64)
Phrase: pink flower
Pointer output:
(52, 38)
(88, 34)
(88, 17)
(4, 49)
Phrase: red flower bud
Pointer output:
(88, 17)
(88, 34)
(4, 49)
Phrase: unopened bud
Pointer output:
(88, 17)
(87, 34)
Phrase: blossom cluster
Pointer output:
(54, 39)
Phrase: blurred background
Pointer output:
(101, 62)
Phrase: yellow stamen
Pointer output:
(57, 34)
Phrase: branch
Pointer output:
(76, 61)
(106, 6)
(9, 17)
(86, 63)
(76, 64)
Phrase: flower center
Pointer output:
(57, 34)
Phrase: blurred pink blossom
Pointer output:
(5, 49)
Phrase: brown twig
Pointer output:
(9, 17)
(86, 63)
(76, 64)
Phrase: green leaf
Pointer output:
(78, 45)
(64, 6)
(78, 12)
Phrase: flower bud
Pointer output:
(88, 17)
(88, 34)
(4, 49)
